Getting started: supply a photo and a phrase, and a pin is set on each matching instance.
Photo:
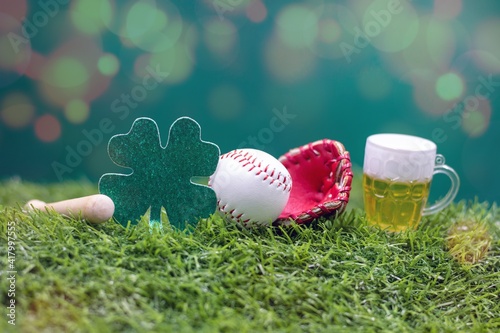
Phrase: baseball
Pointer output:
(252, 187)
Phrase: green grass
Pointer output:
(335, 275)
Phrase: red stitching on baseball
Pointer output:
(243, 157)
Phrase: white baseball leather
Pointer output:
(252, 187)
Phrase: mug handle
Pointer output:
(441, 167)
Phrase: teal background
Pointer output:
(235, 65)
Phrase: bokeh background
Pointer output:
(271, 75)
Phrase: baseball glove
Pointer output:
(321, 181)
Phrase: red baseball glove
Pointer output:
(321, 181)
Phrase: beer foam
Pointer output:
(399, 157)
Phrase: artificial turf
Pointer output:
(336, 275)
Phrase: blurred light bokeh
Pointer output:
(271, 75)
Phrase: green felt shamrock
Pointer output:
(161, 176)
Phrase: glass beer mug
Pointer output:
(397, 174)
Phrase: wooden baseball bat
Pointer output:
(95, 208)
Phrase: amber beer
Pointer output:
(397, 174)
(394, 205)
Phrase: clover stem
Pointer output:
(155, 217)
